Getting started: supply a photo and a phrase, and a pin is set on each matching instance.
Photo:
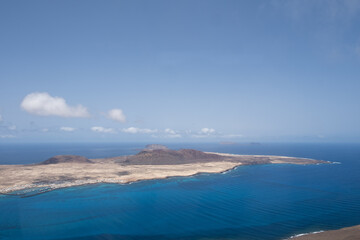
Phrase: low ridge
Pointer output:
(66, 159)
(168, 156)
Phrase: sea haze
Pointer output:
(251, 202)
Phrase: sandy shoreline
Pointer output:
(43, 178)
(348, 233)
(24, 177)
(272, 158)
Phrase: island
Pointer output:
(153, 162)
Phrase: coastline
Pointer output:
(122, 187)
(37, 178)
(347, 233)
(276, 159)
(185, 170)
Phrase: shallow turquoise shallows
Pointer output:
(250, 202)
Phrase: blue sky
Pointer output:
(160, 71)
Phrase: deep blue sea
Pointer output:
(264, 202)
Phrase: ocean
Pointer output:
(267, 202)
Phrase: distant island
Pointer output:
(155, 147)
(153, 162)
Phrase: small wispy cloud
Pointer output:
(41, 103)
(7, 136)
(116, 115)
(102, 129)
(12, 127)
(45, 130)
(134, 130)
(204, 132)
(170, 133)
(1, 118)
(232, 136)
(199, 136)
(67, 129)
(188, 132)
(207, 131)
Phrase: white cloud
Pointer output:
(167, 133)
(170, 131)
(67, 129)
(135, 130)
(12, 127)
(207, 131)
(45, 130)
(7, 136)
(1, 118)
(204, 132)
(117, 115)
(102, 130)
(45, 105)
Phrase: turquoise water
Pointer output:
(250, 202)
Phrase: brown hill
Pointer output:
(66, 159)
(168, 156)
